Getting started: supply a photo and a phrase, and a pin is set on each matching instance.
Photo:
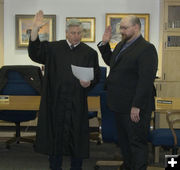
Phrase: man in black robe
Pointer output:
(63, 117)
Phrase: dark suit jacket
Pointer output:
(131, 77)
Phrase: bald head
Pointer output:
(130, 27)
(132, 19)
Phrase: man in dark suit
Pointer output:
(130, 89)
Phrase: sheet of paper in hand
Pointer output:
(83, 73)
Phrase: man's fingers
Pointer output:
(135, 118)
(40, 13)
(45, 22)
(108, 29)
(39, 20)
(85, 83)
(135, 114)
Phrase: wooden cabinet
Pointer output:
(167, 89)
(169, 83)
(171, 40)
(171, 66)
(169, 86)
(171, 15)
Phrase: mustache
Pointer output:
(123, 36)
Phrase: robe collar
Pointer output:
(71, 44)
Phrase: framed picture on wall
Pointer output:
(114, 19)
(24, 26)
(88, 24)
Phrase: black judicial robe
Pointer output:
(63, 127)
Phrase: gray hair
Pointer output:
(73, 23)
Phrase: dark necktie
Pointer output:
(72, 47)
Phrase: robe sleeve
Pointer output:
(38, 51)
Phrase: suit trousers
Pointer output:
(133, 140)
(55, 163)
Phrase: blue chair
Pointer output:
(96, 91)
(100, 86)
(167, 137)
(19, 80)
(108, 130)
(108, 124)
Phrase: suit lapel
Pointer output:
(116, 51)
(125, 51)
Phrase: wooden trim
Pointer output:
(1, 32)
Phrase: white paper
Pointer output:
(83, 73)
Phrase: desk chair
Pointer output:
(17, 80)
(109, 131)
(94, 114)
(167, 137)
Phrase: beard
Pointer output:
(126, 37)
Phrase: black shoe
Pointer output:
(124, 167)
(55, 168)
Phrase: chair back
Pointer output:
(108, 126)
(16, 85)
(14, 80)
(95, 92)
(100, 86)
(173, 119)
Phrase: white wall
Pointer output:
(72, 8)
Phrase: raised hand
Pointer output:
(107, 34)
(38, 22)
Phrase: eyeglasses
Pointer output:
(74, 33)
(125, 27)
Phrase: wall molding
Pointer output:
(2, 32)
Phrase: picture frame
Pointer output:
(88, 24)
(114, 19)
(23, 24)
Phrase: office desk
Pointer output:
(33, 102)
(162, 106)
(20, 103)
